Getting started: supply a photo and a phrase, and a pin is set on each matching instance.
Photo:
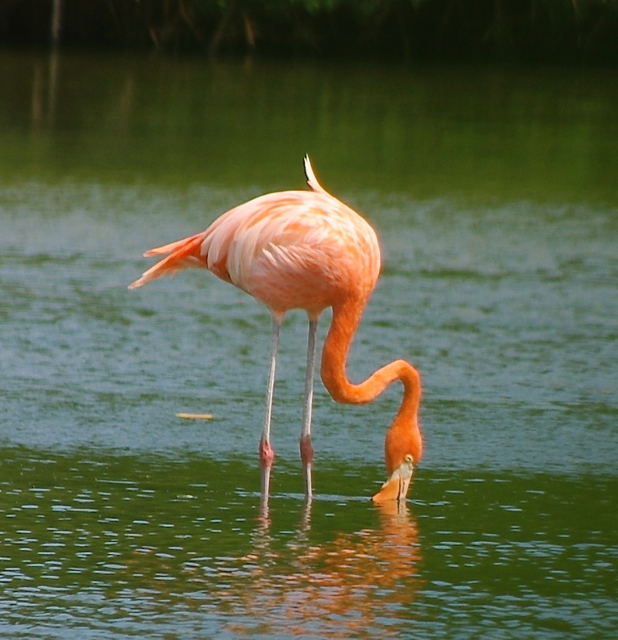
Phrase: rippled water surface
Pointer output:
(493, 195)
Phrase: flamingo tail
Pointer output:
(182, 254)
(312, 181)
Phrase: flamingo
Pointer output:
(307, 250)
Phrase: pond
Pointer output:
(493, 192)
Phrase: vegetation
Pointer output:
(514, 30)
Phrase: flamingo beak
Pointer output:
(396, 487)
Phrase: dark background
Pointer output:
(520, 31)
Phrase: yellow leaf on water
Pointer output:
(195, 416)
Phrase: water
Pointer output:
(494, 197)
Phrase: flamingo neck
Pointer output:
(403, 435)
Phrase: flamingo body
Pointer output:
(289, 250)
(307, 250)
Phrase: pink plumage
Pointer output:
(289, 250)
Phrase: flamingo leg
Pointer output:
(265, 488)
(267, 454)
(306, 448)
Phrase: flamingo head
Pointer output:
(396, 487)
(403, 448)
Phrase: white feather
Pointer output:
(312, 181)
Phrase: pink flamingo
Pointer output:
(307, 250)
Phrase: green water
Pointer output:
(494, 194)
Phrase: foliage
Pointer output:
(523, 30)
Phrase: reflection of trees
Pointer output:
(356, 584)
(45, 91)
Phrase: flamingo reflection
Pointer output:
(363, 581)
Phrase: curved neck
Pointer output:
(404, 433)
